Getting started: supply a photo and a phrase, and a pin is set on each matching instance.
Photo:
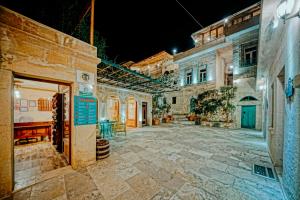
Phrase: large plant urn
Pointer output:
(155, 121)
(166, 120)
(102, 149)
(197, 121)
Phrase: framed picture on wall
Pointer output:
(17, 104)
(24, 103)
(32, 103)
(23, 109)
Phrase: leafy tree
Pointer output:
(212, 102)
(160, 106)
(227, 94)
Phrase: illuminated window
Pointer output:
(255, 13)
(202, 75)
(189, 77)
(250, 56)
(206, 37)
(221, 31)
(247, 17)
(44, 105)
(213, 34)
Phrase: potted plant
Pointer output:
(160, 109)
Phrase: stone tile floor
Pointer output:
(34, 159)
(173, 162)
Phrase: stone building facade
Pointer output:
(32, 50)
(107, 94)
(156, 65)
(278, 73)
(225, 53)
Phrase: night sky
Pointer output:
(135, 30)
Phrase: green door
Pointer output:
(192, 104)
(248, 116)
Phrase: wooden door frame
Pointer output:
(16, 75)
(135, 121)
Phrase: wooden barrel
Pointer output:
(102, 149)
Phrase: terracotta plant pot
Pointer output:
(155, 121)
(166, 120)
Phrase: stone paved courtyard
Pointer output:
(173, 162)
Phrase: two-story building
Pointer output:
(156, 65)
(225, 53)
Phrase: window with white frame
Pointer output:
(189, 77)
(249, 56)
(202, 75)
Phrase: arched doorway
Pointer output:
(113, 111)
(248, 113)
(131, 112)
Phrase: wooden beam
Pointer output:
(92, 22)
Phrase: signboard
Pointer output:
(289, 91)
(85, 110)
(85, 89)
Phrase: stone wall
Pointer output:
(104, 92)
(245, 76)
(184, 96)
(247, 87)
(33, 50)
(279, 54)
(207, 60)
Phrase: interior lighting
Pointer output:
(17, 94)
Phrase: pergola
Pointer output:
(116, 75)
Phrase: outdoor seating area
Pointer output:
(108, 129)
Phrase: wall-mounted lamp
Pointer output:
(284, 10)
(17, 94)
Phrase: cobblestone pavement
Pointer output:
(173, 162)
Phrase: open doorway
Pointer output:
(42, 129)
(113, 108)
(131, 113)
(144, 112)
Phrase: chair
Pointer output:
(119, 127)
(106, 129)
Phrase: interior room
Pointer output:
(41, 129)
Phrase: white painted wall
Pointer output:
(33, 115)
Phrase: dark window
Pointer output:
(202, 75)
(249, 56)
(189, 78)
(173, 100)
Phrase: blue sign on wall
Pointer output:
(289, 90)
(85, 110)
